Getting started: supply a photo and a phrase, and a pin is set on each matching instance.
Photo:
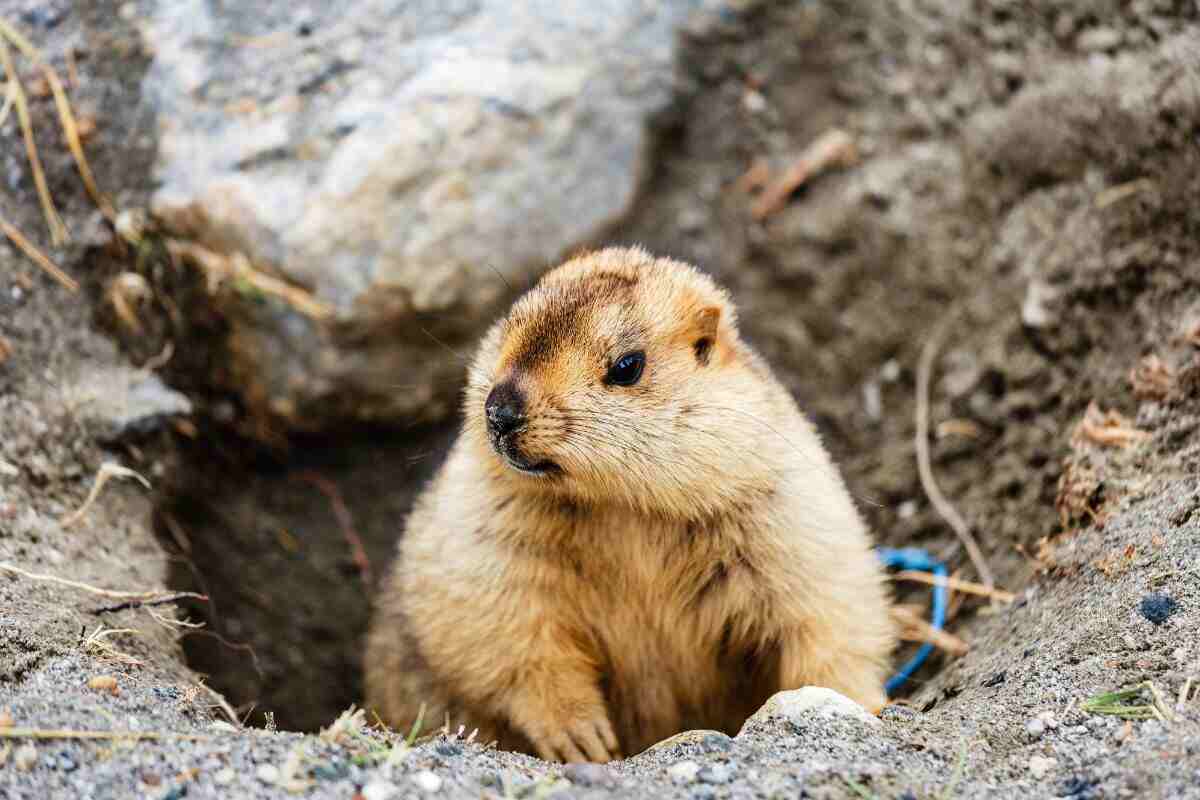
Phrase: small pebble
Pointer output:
(267, 773)
(589, 775)
(1157, 607)
(224, 777)
(1040, 765)
(1047, 718)
(379, 790)
(1035, 728)
(704, 791)
(66, 763)
(6, 719)
(717, 773)
(448, 749)
(427, 781)
(717, 743)
(683, 771)
(25, 758)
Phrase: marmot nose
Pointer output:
(505, 408)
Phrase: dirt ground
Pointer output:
(1026, 170)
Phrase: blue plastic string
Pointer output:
(915, 558)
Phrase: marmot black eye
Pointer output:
(626, 370)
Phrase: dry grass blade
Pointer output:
(37, 256)
(924, 464)
(914, 628)
(65, 114)
(10, 97)
(58, 231)
(108, 471)
(966, 587)
(834, 148)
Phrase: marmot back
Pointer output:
(636, 532)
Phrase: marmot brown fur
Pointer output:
(636, 533)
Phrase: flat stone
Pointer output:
(395, 178)
(803, 704)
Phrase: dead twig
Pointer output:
(58, 231)
(345, 521)
(915, 628)
(834, 148)
(1115, 194)
(108, 470)
(924, 465)
(966, 587)
(219, 268)
(37, 256)
(222, 703)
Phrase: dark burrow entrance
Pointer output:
(273, 539)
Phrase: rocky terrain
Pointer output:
(314, 215)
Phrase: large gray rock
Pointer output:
(403, 165)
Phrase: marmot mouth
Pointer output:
(513, 458)
(543, 467)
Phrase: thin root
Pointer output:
(924, 466)
(108, 470)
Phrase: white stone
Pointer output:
(379, 790)
(427, 781)
(683, 771)
(267, 773)
(800, 704)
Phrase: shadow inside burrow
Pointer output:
(272, 538)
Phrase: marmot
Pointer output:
(636, 533)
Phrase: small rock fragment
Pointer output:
(427, 781)
(1047, 719)
(1097, 40)
(1036, 308)
(379, 790)
(25, 758)
(684, 771)
(589, 775)
(1040, 765)
(224, 776)
(716, 773)
(1158, 607)
(6, 719)
(1035, 728)
(104, 683)
(267, 773)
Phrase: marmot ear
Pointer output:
(705, 332)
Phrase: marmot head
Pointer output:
(620, 377)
